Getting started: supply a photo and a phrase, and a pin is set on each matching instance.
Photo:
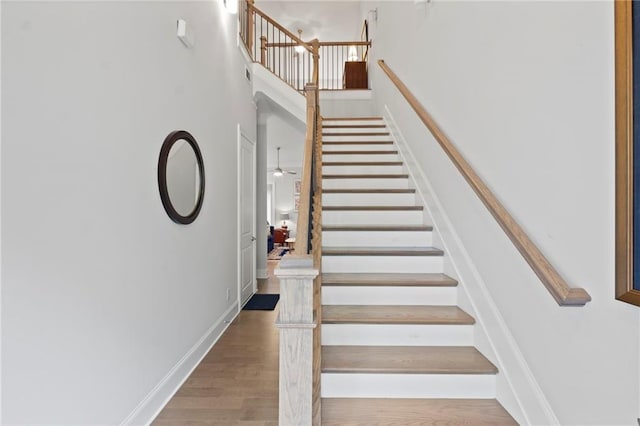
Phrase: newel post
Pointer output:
(263, 51)
(296, 324)
(250, 19)
(315, 44)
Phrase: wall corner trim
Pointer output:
(151, 405)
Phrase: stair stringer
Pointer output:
(517, 389)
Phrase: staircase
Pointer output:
(396, 347)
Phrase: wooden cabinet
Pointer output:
(355, 75)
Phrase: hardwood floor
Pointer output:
(271, 284)
(236, 384)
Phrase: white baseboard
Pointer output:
(261, 274)
(149, 408)
(521, 393)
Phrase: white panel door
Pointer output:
(247, 217)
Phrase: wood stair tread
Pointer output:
(367, 176)
(354, 126)
(413, 412)
(381, 251)
(373, 208)
(380, 314)
(389, 142)
(359, 152)
(369, 191)
(362, 163)
(356, 134)
(376, 228)
(408, 280)
(351, 118)
(405, 360)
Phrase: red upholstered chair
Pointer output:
(280, 235)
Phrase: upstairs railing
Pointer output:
(555, 284)
(278, 49)
(364, 36)
(328, 65)
(343, 65)
(300, 289)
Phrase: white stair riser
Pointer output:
(354, 122)
(351, 170)
(345, 138)
(382, 264)
(347, 385)
(358, 147)
(360, 157)
(372, 217)
(366, 183)
(368, 199)
(396, 335)
(377, 238)
(392, 295)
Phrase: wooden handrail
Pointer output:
(304, 209)
(557, 286)
(283, 29)
(364, 36)
(281, 44)
(345, 43)
(324, 43)
(364, 32)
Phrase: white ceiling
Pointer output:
(324, 20)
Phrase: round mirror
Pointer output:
(181, 177)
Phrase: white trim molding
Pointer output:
(517, 389)
(149, 408)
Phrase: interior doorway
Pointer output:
(247, 283)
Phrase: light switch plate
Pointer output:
(185, 33)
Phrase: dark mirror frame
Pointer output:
(627, 142)
(169, 141)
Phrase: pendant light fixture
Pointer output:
(300, 48)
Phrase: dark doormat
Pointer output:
(262, 302)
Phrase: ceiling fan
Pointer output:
(278, 171)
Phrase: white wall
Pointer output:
(283, 190)
(102, 293)
(288, 134)
(347, 103)
(526, 92)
